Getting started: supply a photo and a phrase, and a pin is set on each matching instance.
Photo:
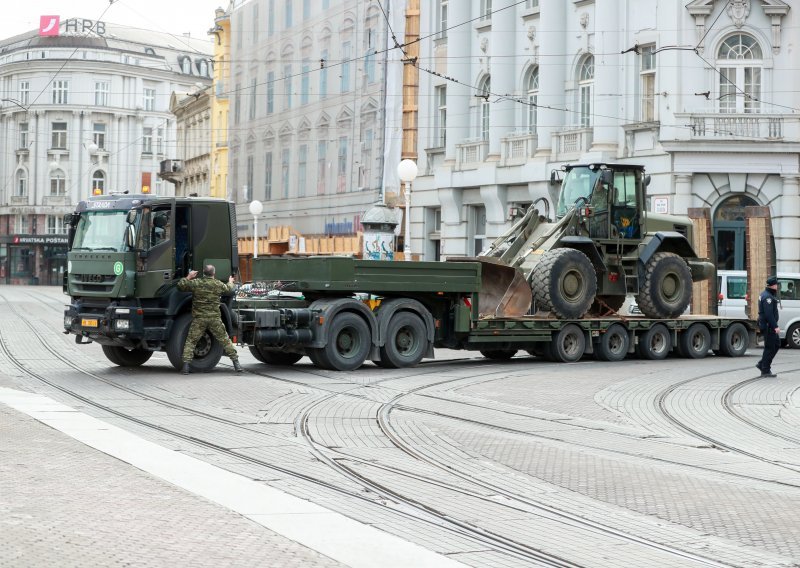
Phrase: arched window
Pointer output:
(58, 182)
(532, 94)
(739, 61)
(22, 183)
(203, 68)
(484, 88)
(586, 87)
(99, 181)
(186, 65)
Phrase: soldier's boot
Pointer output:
(236, 366)
(185, 369)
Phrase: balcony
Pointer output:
(724, 126)
(572, 143)
(171, 170)
(517, 148)
(470, 153)
(56, 200)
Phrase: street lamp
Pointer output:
(255, 210)
(407, 172)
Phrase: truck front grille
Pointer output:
(92, 283)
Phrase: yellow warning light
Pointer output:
(97, 191)
(145, 189)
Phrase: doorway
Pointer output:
(729, 232)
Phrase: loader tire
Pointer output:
(666, 290)
(564, 282)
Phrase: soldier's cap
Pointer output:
(772, 281)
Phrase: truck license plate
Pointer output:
(88, 322)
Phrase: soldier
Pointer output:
(768, 323)
(205, 314)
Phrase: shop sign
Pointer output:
(39, 240)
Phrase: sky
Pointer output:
(177, 17)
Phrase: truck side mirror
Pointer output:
(647, 180)
(130, 237)
(607, 176)
(69, 219)
(131, 216)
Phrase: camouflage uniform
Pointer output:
(205, 314)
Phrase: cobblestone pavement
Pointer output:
(642, 463)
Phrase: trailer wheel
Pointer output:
(207, 352)
(655, 343)
(499, 354)
(564, 282)
(275, 357)
(667, 287)
(405, 341)
(569, 344)
(348, 342)
(613, 344)
(126, 357)
(695, 342)
(734, 340)
(538, 349)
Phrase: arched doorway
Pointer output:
(729, 232)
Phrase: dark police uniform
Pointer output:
(767, 322)
(205, 314)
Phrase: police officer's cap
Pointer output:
(772, 281)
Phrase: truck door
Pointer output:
(156, 245)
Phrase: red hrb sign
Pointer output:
(48, 25)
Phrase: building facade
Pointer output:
(220, 105)
(189, 171)
(704, 94)
(307, 112)
(83, 110)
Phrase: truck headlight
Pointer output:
(67, 320)
(122, 324)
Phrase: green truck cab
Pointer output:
(125, 256)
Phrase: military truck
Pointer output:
(126, 254)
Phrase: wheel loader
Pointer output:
(601, 245)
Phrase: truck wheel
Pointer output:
(569, 344)
(655, 343)
(734, 340)
(275, 357)
(667, 287)
(606, 305)
(348, 342)
(207, 352)
(793, 337)
(126, 357)
(406, 341)
(499, 354)
(613, 344)
(695, 342)
(564, 282)
(319, 359)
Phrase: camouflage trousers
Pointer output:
(215, 326)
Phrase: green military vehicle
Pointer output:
(126, 254)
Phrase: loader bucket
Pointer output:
(504, 290)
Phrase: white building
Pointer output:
(703, 93)
(86, 109)
(307, 112)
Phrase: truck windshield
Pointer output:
(577, 183)
(100, 230)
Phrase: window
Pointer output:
(285, 155)
(249, 167)
(271, 18)
(55, 225)
(147, 140)
(60, 92)
(345, 69)
(270, 92)
(287, 14)
(237, 103)
(252, 112)
(647, 82)
(302, 167)
(483, 107)
(186, 64)
(268, 176)
(441, 19)
(254, 19)
(204, 68)
(486, 9)
(160, 141)
(24, 92)
(365, 171)
(739, 62)
(99, 135)
(59, 136)
(149, 99)
(22, 183)
(99, 181)
(304, 82)
(341, 168)
(532, 94)
(531, 4)
(478, 228)
(369, 60)
(20, 223)
(101, 90)
(322, 166)
(440, 120)
(287, 82)
(23, 136)
(585, 88)
(58, 182)
(323, 75)
(306, 9)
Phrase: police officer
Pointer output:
(768, 323)
(205, 314)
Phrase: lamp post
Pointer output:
(407, 172)
(255, 210)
